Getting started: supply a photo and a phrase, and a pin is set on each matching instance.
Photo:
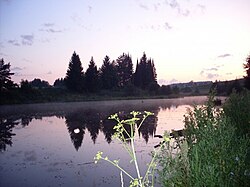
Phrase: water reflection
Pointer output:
(6, 126)
(74, 121)
(80, 121)
(92, 118)
(95, 122)
(55, 143)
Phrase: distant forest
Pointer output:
(114, 79)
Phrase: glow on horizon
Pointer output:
(188, 40)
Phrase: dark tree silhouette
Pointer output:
(38, 83)
(124, 70)
(59, 83)
(165, 90)
(25, 86)
(91, 77)
(247, 77)
(6, 126)
(108, 74)
(145, 73)
(5, 76)
(74, 75)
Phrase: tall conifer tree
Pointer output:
(145, 73)
(108, 74)
(74, 75)
(5, 76)
(124, 70)
(91, 77)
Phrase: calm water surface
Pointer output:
(39, 147)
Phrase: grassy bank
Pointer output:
(18, 96)
(215, 149)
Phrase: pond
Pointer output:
(40, 147)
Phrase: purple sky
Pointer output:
(188, 39)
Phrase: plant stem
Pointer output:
(116, 165)
(135, 160)
(150, 165)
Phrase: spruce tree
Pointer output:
(91, 77)
(145, 73)
(108, 74)
(74, 75)
(5, 76)
(124, 70)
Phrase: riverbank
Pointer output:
(60, 107)
(53, 95)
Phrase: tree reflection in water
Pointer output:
(77, 122)
(94, 118)
(74, 121)
(6, 126)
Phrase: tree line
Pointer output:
(116, 78)
(115, 74)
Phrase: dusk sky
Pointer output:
(188, 39)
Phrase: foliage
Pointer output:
(59, 83)
(91, 77)
(213, 154)
(247, 68)
(25, 86)
(226, 87)
(74, 75)
(165, 90)
(124, 70)
(108, 74)
(237, 108)
(38, 83)
(126, 132)
(5, 76)
(145, 73)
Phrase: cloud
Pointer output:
(49, 73)
(173, 81)
(162, 82)
(166, 82)
(224, 55)
(3, 54)
(202, 8)
(27, 39)
(206, 71)
(185, 12)
(51, 30)
(167, 26)
(90, 9)
(230, 73)
(145, 7)
(212, 69)
(48, 24)
(16, 69)
(212, 75)
(49, 27)
(79, 21)
(173, 4)
(25, 60)
(14, 42)
(156, 6)
(209, 73)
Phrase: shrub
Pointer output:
(213, 153)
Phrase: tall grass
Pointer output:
(213, 153)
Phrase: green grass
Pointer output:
(215, 149)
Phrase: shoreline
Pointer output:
(61, 107)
